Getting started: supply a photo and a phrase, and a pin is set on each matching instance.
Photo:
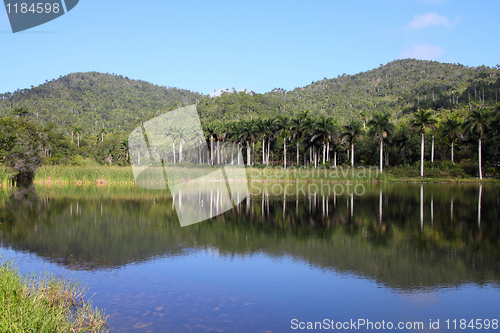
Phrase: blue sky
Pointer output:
(255, 45)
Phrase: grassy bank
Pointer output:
(44, 304)
(114, 175)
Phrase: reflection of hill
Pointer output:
(93, 229)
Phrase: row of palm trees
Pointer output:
(317, 138)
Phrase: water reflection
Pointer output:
(379, 234)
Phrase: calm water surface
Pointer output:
(392, 252)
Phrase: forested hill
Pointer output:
(401, 85)
(93, 101)
(398, 87)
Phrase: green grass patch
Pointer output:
(84, 174)
(44, 304)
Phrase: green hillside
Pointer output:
(93, 101)
(399, 87)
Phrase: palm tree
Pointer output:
(78, 131)
(103, 131)
(477, 124)
(283, 126)
(247, 134)
(421, 120)
(209, 130)
(323, 130)
(381, 126)
(298, 127)
(451, 129)
(352, 132)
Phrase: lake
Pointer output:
(425, 257)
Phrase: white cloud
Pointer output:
(423, 51)
(429, 20)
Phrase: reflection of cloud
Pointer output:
(423, 51)
(429, 20)
(421, 298)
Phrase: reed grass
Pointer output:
(44, 304)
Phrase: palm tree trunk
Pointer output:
(352, 153)
(284, 152)
(211, 151)
(173, 150)
(268, 150)
(324, 152)
(218, 152)
(297, 153)
(422, 158)
(328, 151)
(335, 159)
(253, 152)
(480, 171)
(180, 152)
(452, 157)
(248, 153)
(381, 153)
(432, 150)
(263, 150)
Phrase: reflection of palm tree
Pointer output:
(421, 120)
(381, 127)
(352, 132)
(477, 125)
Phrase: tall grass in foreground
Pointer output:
(44, 304)
(85, 174)
(5, 176)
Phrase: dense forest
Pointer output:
(379, 117)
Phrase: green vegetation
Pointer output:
(46, 304)
(394, 116)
